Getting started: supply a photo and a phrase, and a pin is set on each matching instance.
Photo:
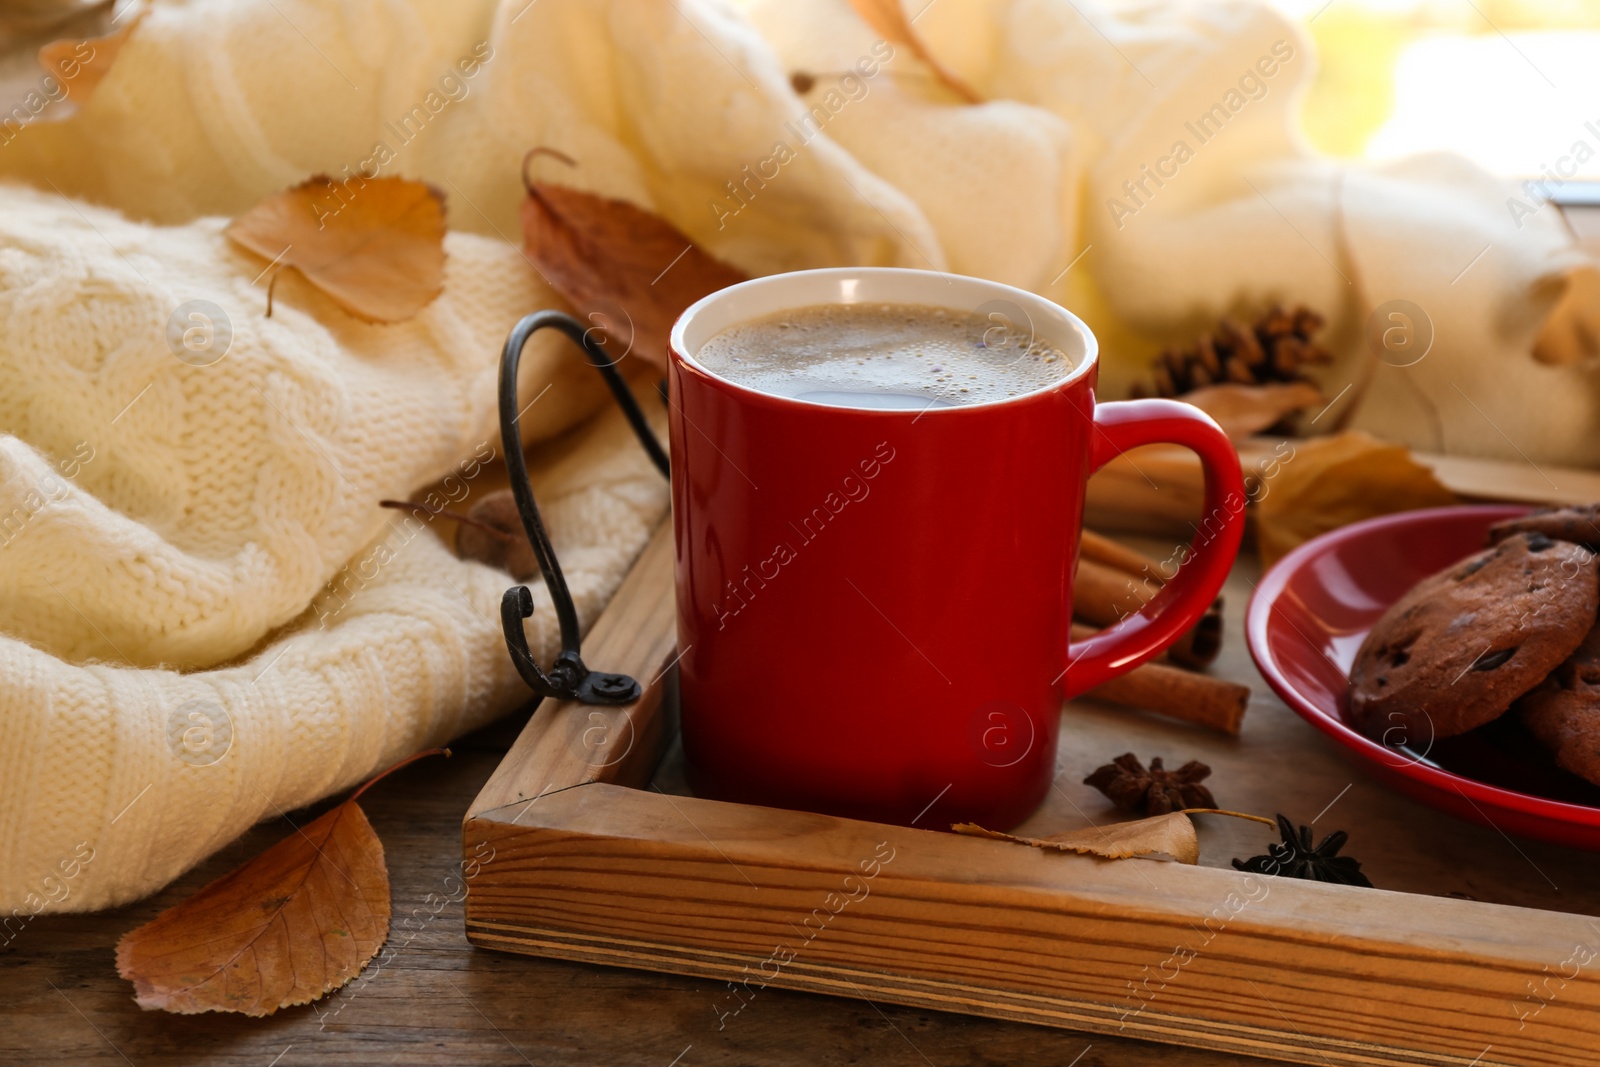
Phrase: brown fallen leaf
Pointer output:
(375, 246)
(888, 19)
(1244, 410)
(68, 69)
(490, 532)
(1571, 331)
(296, 922)
(631, 271)
(25, 20)
(1171, 835)
(495, 536)
(1333, 481)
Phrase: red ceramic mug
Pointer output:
(874, 605)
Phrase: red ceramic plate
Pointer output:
(1309, 616)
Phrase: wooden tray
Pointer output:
(585, 845)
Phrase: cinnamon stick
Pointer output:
(1114, 581)
(1198, 647)
(1103, 595)
(1179, 694)
(1103, 549)
(1156, 490)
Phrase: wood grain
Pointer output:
(762, 899)
(438, 1000)
(567, 744)
(1300, 971)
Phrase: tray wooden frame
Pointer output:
(574, 855)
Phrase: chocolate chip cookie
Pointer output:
(1455, 651)
(1563, 711)
(1579, 524)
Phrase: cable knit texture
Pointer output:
(1073, 161)
(211, 619)
(191, 559)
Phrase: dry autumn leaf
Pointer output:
(888, 19)
(490, 532)
(1169, 835)
(68, 70)
(495, 536)
(296, 922)
(375, 246)
(628, 268)
(1571, 332)
(22, 21)
(1243, 410)
(1330, 482)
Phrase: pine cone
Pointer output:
(1275, 349)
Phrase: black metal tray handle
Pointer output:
(568, 678)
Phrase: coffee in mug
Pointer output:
(886, 356)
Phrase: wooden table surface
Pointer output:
(441, 1001)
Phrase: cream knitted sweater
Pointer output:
(204, 619)
(208, 618)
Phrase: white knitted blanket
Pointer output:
(210, 619)
(206, 618)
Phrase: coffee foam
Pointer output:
(885, 355)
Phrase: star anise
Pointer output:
(1156, 791)
(1296, 858)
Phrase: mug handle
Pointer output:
(1122, 646)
